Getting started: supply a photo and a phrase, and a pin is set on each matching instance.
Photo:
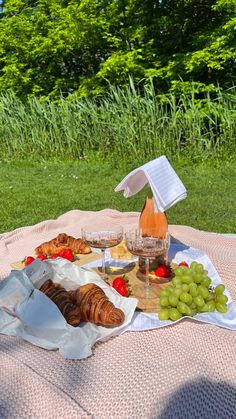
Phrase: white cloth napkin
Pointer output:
(166, 186)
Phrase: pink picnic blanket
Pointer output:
(186, 370)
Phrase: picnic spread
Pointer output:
(74, 345)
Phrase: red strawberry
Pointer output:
(28, 260)
(123, 290)
(67, 254)
(162, 271)
(183, 264)
(120, 280)
(121, 285)
(41, 257)
(55, 255)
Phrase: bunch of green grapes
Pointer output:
(190, 292)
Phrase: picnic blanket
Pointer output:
(186, 370)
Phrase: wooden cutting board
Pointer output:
(82, 260)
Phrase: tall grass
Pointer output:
(122, 125)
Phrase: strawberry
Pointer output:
(28, 260)
(55, 255)
(41, 257)
(183, 264)
(67, 254)
(121, 285)
(123, 290)
(120, 280)
(162, 271)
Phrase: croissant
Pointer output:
(95, 306)
(63, 300)
(62, 241)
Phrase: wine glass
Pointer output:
(147, 247)
(102, 237)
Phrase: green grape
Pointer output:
(203, 309)
(199, 268)
(176, 280)
(186, 298)
(210, 296)
(193, 305)
(219, 289)
(203, 291)
(193, 289)
(173, 300)
(185, 287)
(178, 271)
(206, 281)
(193, 265)
(174, 314)
(187, 279)
(164, 301)
(197, 278)
(164, 314)
(177, 292)
(221, 298)
(183, 308)
(170, 289)
(199, 301)
(190, 292)
(210, 306)
(222, 308)
(164, 293)
(193, 312)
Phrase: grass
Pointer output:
(122, 122)
(32, 191)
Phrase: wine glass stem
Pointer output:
(147, 284)
(103, 262)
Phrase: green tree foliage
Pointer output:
(51, 48)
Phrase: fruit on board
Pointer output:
(28, 260)
(121, 285)
(190, 292)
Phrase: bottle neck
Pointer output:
(149, 193)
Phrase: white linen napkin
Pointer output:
(166, 186)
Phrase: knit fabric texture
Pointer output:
(186, 370)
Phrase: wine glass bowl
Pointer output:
(102, 237)
(147, 248)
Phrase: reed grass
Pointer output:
(122, 125)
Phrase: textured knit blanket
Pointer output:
(187, 370)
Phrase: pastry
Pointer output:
(63, 241)
(95, 306)
(63, 300)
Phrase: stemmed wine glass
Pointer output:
(102, 237)
(147, 247)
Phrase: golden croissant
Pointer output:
(63, 300)
(61, 242)
(95, 307)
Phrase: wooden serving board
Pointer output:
(82, 260)
(134, 276)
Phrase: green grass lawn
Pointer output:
(32, 192)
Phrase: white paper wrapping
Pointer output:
(166, 186)
(27, 312)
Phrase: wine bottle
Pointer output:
(152, 223)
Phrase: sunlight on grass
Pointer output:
(33, 192)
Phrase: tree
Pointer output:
(51, 48)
